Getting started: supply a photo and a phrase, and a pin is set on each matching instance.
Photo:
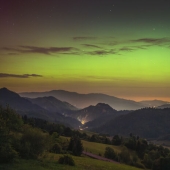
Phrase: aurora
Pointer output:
(112, 47)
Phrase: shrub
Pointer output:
(67, 160)
(56, 148)
(110, 153)
(33, 143)
(116, 140)
(125, 156)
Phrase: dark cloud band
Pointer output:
(154, 41)
(41, 50)
(6, 75)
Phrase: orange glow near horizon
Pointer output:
(86, 47)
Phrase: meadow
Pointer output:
(50, 162)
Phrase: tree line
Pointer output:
(28, 138)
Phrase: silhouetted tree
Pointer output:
(75, 146)
(116, 140)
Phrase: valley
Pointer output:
(99, 126)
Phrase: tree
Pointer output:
(68, 132)
(116, 140)
(33, 142)
(75, 145)
(110, 153)
(147, 161)
(125, 156)
(161, 164)
(94, 138)
(56, 148)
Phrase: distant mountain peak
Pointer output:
(102, 105)
(4, 92)
(4, 88)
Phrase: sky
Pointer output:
(117, 47)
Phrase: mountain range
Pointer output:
(154, 103)
(147, 122)
(85, 100)
(25, 106)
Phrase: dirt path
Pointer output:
(98, 157)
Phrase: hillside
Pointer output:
(52, 104)
(103, 119)
(25, 107)
(153, 103)
(85, 100)
(93, 112)
(147, 123)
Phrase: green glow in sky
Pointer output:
(115, 48)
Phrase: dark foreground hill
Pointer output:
(85, 100)
(25, 107)
(147, 123)
(103, 119)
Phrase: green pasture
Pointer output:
(49, 162)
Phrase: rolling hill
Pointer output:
(146, 123)
(25, 107)
(85, 100)
(103, 119)
(52, 104)
(153, 103)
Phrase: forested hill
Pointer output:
(147, 123)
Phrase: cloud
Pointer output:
(91, 45)
(41, 50)
(84, 38)
(126, 49)
(102, 52)
(6, 75)
(102, 48)
(153, 41)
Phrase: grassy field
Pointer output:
(97, 148)
(50, 163)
